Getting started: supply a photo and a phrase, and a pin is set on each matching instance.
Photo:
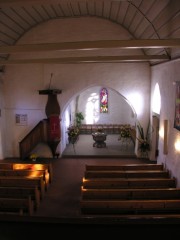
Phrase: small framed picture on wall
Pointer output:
(177, 107)
(21, 119)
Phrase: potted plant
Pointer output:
(33, 157)
(79, 117)
(144, 141)
(124, 133)
(73, 133)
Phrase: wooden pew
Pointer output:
(18, 206)
(6, 165)
(21, 192)
(129, 189)
(130, 206)
(115, 183)
(35, 166)
(27, 173)
(126, 174)
(129, 167)
(28, 166)
(17, 181)
(159, 193)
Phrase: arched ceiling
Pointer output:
(153, 24)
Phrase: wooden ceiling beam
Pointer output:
(92, 45)
(95, 59)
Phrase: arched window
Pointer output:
(103, 100)
(156, 104)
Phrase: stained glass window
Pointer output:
(103, 100)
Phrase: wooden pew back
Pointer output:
(17, 205)
(115, 183)
(157, 193)
(17, 181)
(6, 165)
(21, 192)
(129, 167)
(27, 173)
(130, 207)
(126, 174)
(34, 166)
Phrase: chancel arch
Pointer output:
(120, 110)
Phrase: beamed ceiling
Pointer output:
(153, 24)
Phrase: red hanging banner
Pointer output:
(54, 128)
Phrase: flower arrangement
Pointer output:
(73, 131)
(33, 156)
(124, 133)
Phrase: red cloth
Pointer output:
(54, 128)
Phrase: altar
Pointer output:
(99, 138)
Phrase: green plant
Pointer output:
(144, 140)
(79, 117)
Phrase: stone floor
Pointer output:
(114, 147)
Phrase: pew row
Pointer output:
(126, 174)
(27, 173)
(22, 186)
(28, 166)
(21, 192)
(159, 193)
(130, 206)
(34, 166)
(115, 183)
(18, 206)
(17, 181)
(129, 167)
(6, 165)
(129, 189)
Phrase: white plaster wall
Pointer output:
(2, 119)
(22, 82)
(165, 74)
